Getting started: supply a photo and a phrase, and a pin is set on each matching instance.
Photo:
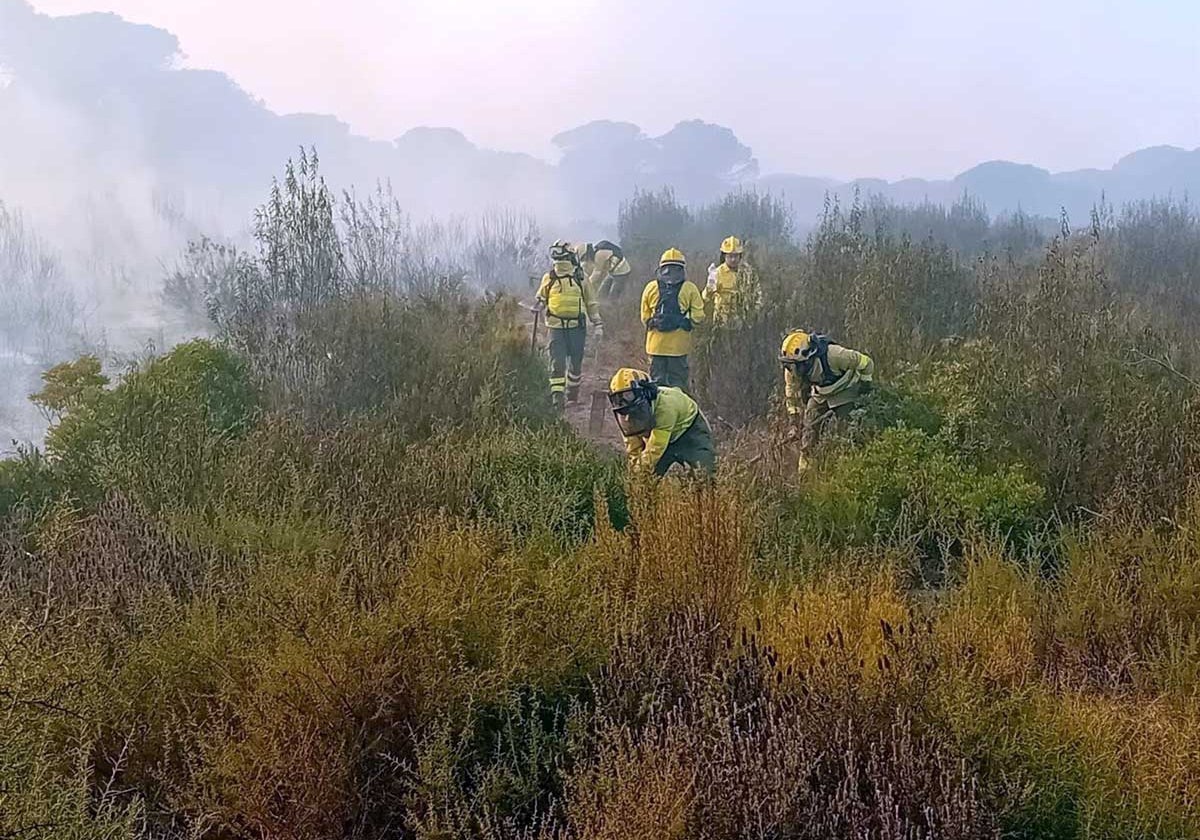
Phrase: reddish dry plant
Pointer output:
(715, 741)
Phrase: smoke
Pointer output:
(79, 167)
(114, 157)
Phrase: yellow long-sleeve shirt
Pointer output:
(674, 412)
(675, 342)
(736, 290)
(722, 295)
(849, 366)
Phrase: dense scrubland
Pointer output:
(340, 572)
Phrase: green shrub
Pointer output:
(26, 481)
(898, 405)
(50, 686)
(444, 358)
(161, 434)
(1067, 380)
(70, 386)
(651, 222)
(532, 481)
(368, 476)
(904, 483)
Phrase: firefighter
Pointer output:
(822, 380)
(569, 303)
(725, 278)
(604, 265)
(671, 308)
(662, 426)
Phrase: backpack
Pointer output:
(821, 354)
(575, 278)
(668, 317)
(605, 245)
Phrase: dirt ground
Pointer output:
(600, 362)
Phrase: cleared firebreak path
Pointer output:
(619, 348)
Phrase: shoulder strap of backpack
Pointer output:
(822, 344)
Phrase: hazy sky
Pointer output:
(845, 88)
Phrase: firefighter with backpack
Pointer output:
(569, 303)
(822, 381)
(671, 308)
(604, 266)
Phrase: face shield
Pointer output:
(672, 274)
(633, 410)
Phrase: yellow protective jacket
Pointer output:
(674, 413)
(599, 265)
(675, 342)
(728, 284)
(567, 301)
(850, 368)
(722, 296)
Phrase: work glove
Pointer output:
(712, 278)
(598, 332)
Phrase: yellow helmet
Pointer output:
(796, 346)
(624, 378)
(732, 245)
(631, 396)
(672, 256)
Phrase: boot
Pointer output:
(572, 396)
(557, 399)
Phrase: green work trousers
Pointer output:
(694, 448)
(671, 371)
(566, 360)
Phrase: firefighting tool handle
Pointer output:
(537, 317)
